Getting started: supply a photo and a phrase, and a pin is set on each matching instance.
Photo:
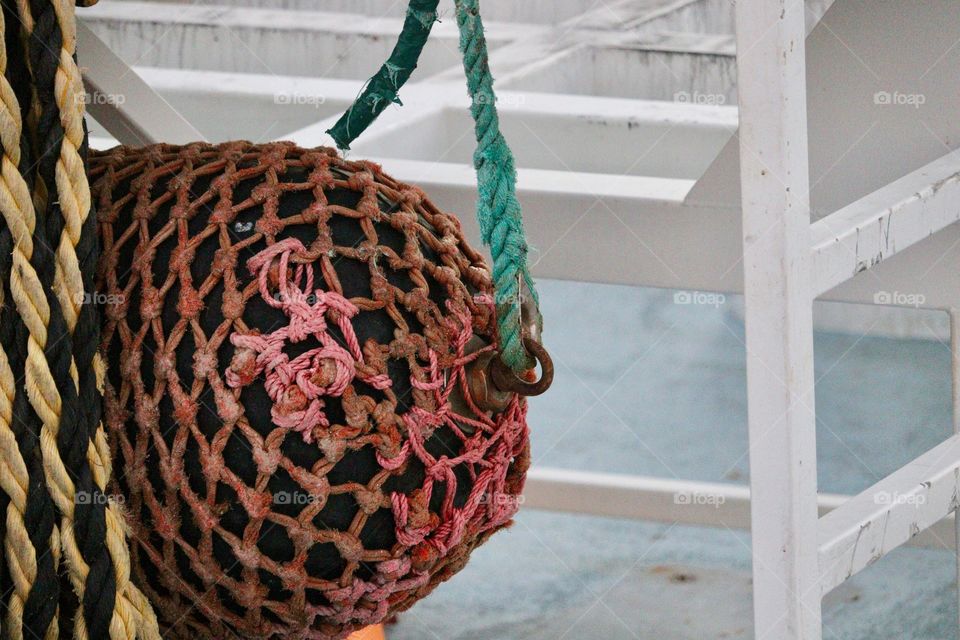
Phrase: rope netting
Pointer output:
(301, 453)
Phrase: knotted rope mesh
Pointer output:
(290, 334)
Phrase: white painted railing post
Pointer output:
(779, 328)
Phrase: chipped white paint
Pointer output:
(778, 303)
(888, 514)
(891, 219)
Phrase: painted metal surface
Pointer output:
(137, 114)
(774, 182)
(888, 514)
(876, 227)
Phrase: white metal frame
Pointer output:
(778, 301)
(804, 544)
(798, 556)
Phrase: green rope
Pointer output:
(381, 91)
(498, 210)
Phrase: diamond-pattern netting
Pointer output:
(287, 334)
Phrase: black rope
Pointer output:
(40, 517)
(75, 428)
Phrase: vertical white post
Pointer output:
(779, 325)
(955, 376)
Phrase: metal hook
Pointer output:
(493, 384)
(505, 379)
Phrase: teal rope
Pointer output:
(498, 210)
(382, 89)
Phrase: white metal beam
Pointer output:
(641, 497)
(885, 222)
(889, 513)
(775, 185)
(685, 502)
(122, 102)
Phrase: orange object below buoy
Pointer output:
(370, 633)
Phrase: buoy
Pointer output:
(294, 344)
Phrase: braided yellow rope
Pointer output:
(17, 209)
(132, 616)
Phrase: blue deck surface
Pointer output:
(648, 386)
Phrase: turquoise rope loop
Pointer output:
(382, 89)
(498, 210)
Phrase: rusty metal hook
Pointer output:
(505, 379)
(493, 384)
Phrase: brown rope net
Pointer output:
(289, 335)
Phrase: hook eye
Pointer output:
(505, 379)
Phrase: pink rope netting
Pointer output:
(293, 430)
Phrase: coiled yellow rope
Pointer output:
(132, 615)
(17, 209)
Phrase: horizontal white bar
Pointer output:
(681, 114)
(890, 513)
(885, 222)
(271, 41)
(671, 501)
(276, 19)
(462, 179)
(219, 84)
(535, 11)
(638, 497)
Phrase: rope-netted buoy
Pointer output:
(294, 338)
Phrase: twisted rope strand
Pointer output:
(74, 446)
(20, 554)
(498, 210)
(32, 540)
(64, 439)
